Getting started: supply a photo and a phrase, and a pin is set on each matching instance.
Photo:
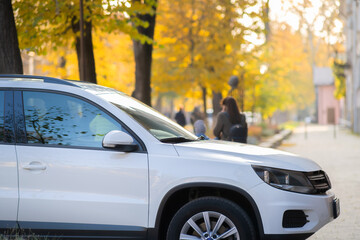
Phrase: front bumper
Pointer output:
(272, 204)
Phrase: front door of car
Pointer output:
(67, 181)
(8, 164)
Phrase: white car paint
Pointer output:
(9, 195)
(246, 153)
(65, 190)
(230, 164)
(83, 186)
(274, 202)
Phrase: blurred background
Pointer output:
(293, 66)
(284, 61)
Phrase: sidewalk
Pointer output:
(340, 158)
(276, 140)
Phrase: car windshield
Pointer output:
(157, 124)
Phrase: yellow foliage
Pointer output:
(115, 66)
(115, 62)
(228, 49)
(199, 36)
(204, 33)
(172, 59)
(287, 82)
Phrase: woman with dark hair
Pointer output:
(231, 124)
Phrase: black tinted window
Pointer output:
(2, 110)
(63, 120)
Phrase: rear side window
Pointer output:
(2, 118)
(57, 119)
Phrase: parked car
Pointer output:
(82, 160)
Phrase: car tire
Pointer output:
(211, 218)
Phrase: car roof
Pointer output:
(91, 87)
(27, 78)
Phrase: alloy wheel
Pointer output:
(209, 225)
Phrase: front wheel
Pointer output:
(211, 218)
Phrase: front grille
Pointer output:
(319, 180)
(294, 219)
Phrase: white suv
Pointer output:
(82, 160)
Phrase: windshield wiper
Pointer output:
(176, 140)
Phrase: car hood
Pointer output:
(223, 151)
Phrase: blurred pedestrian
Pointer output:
(200, 129)
(196, 115)
(230, 123)
(180, 117)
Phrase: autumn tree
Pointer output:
(319, 25)
(44, 24)
(10, 59)
(143, 49)
(279, 74)
(199, 42)
(320, 29)
(339, 67)
(280, 77)
(114, 59)
(55, 24)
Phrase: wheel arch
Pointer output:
(180, 195)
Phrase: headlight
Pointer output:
(285, 179)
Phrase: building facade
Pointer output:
(350, 13)
(327, 106)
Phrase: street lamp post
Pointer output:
(356, 73)
(82, 58)
(233, 83)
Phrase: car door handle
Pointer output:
(34, 166)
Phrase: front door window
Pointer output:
(57, 119)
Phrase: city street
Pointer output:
(339, 156)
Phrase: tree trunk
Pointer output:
(89, 62)
(143, 59)
(62, 65)
(158, 105)
(266, 11)
(204, 96)
(10, 58)
(217, 96)
(242, 91)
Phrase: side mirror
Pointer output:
(119, 140)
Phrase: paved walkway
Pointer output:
(340, 158)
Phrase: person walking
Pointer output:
(200, 129)
(196, 115)
(180, 117)
(230, 123)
